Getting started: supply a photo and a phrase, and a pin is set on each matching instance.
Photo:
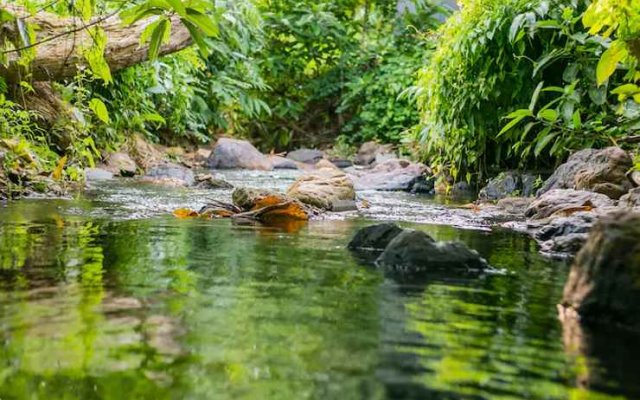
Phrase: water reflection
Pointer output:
(100, 307)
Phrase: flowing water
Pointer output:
(108, 296)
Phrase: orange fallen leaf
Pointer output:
(216, 213)
(288, 211)
(267, 201)
(184, 213)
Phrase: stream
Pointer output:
(108, 296)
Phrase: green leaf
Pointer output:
(100, 110)
(549, 115)
(159, 36)
(534, 98)
(95, 55)
(203, 22)
(197, 37)
(609, 61)
(544, 138)
(517, 116)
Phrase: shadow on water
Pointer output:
(93, 306)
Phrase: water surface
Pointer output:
(108, 296)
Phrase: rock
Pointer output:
(232, 153)
(634, 177)
(208, 181)
(558, 201)
(603, 284)
(602, 171)
(306, 156)
(514, 205)
(564, 245)
(97, 174)
(201, 155)
(175, 152)
(423, 185)
(384, 157)
(326, 164)
(631, 199)
(579, 223)
(120, 164)
(144, 153)
(508, 184)
(344, 205)
(341, 163)
(322, 188)
(461, 188)
(368, 151)
(249, 198)
(414, 251)
(374, 237)
(391, 175)
(282, 163)
(170, 173)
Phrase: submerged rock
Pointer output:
(508, 184)
(374, 237)
(208, 181)
(306, 156)
(566, 201)
(170, 173)
(414, 252)
(322, 188)
(368, 152)
(604, 284)
(233, 153)
(392, 175)
(120, 164)
(602, 171)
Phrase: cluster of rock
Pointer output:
(413, 254)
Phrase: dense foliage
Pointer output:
(514, 84)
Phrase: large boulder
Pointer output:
(602, 171)
(390, 175)
(120, 164)
(604, 282)
(508, 184)
(322, 188)
(374, 237)
(368, 152)
(144, 153)
(559, 202)
(171, 174)
(631, 199)
(233, 153)
(306, 156)
(414, 251)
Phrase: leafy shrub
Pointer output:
(528, 60)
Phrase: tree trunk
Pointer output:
(59, 56)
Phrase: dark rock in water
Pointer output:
(461, 188)
(208, 181)
(631, 199)
(423, 185)
(602, 171)
(232, 153)
(282, 163)
(306, 156)
(97, 174)
(414, 252)
(604, 283)
(374, 237)
(368, 152)
(344, 205)
(508, 184)
(565, 246)
(170, 173)
(120, 164)
(341, 163)
(566, 200)
(391, 175)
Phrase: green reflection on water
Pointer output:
(165, 308)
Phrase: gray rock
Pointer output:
(232, 153)
(631, 199)
(282, 163)
(170, 173)
(416, 252)
(120, 164)
(564, 246)
(340, 163)
(391, 175)
(603, 284)
(566, 200)
(508, 184)
(423, 185)
(306, 156)
(322, 188)
(97, 174)
(602, 171)
(374, 237)
(208, 181)
(634, 177)
(368, 151)
(578, 223)
(514, 205)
